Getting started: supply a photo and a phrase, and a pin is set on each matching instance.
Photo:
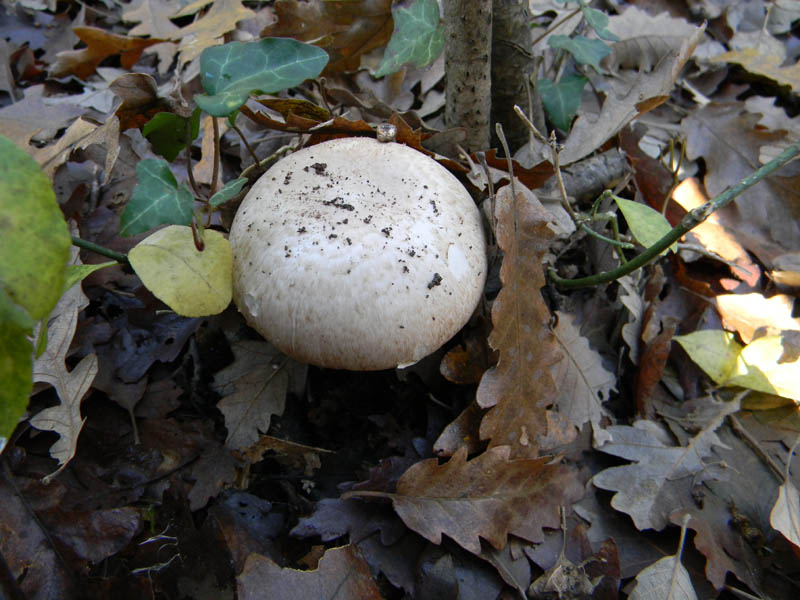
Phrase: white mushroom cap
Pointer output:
(356, 254)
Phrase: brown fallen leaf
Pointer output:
(630, 97)
(520, 388)
(341, 574)
(346, 29)
(660, 481)
(208, 30)
(100, 44)
(583, 383)
(489, 497)
(253, 389)
(751, 314)
(764, 216)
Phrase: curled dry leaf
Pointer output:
(520, 388)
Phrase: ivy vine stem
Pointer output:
(689, 222)
(102, 250)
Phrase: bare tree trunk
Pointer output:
(512, 63)
(468, 43)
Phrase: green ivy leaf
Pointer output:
(647, 225)
(231, 72)
(157, 199)
(561, 100)
(167, 132)
(584, 50)
(418, 37)
(598, 21)
(228, 191)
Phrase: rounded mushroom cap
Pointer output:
(356, 254)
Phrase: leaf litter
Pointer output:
(547, 455)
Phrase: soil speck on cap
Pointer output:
(436, 280)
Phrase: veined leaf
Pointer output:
(647, 225)
(584, 50)
(167, 132)
(156, 200)
(190, 282)
(418, 37)
(561, 100)
(230, 73)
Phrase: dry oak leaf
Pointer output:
(488, 497)
(765, 216)
(253, 390)
(583, 383)
(661, 479)
(100, 44)
(346, 29)
(33, 118)
(520, 388)
(208, 30)
(81, 134)
(341, 574)
(627, 99)
(768, 65)
(71, 386)
(153, 18)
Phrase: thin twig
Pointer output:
(192, 182)
(245, 142)
(215, 172)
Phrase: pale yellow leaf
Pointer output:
(770, 364)
(785, 515)
(190, 282)
(767, 65)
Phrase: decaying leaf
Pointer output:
(763, 216)
(207, 31)
(71, 386)
(254, 388)
(341, 573)
(661, 479)
(583, 383)
(100, 44)
(346, 30)
(627, 99)
(520, 388)
(488, 497)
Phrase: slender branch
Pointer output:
(245, 142)
(215, 172)
(192, 182)
(117, 256)
(689, 222)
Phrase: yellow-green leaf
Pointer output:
(647, 225)
(715, 351)
(190, 282)
(770, 364)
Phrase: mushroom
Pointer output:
(357, 254)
